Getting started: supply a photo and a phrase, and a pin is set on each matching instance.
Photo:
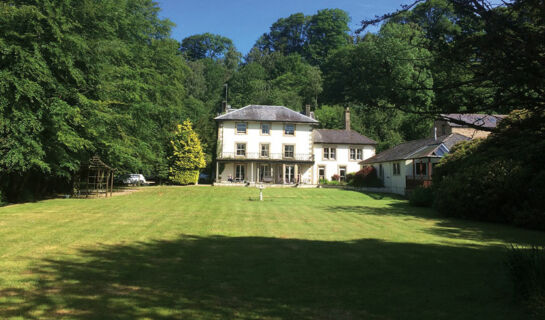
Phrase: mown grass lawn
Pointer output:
(218, 253)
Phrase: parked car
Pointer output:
(134, 178)
(204, 178)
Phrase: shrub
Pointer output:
(335, 177)
(2, 203)
(185, 177)
(421, 197)
(526, 268)
(366, 177)
(497, 179)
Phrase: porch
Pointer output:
(284, 173)
(422, 170)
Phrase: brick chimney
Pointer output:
(347, 119)
(307, 110)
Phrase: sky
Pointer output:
(244, 21)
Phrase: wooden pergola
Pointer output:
(99, 178)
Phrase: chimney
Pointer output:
(347, 119)
(307, 110)
(223, 107)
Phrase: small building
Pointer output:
(411, 164)
(277, 145)
(454, 123)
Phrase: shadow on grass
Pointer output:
(264, 278)
(448, 227)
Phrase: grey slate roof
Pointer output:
(481, 120)
(417, 149)
(266, 113)
(340, 137)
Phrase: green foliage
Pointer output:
(2, 202)
(207, 45)
(526, 267)
(312, 37)
(187, 156)
(500, 178)
(366, 177)
(276, 79)
(421, 197)
(79, 78)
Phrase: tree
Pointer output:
(312, 37)
(206, 45)
(187, 156)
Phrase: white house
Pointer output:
(274, 144)
(411, 164)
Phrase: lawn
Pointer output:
(219, 253)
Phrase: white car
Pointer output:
(134, 178)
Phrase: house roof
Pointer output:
(266, 113)
(423, 148)
(340, 137)
(481, 120)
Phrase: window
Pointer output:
(342, 173)
(241, 149)
(265, 129)
(239, 172)
(421, 168)
(264, 172)
(330, 153)
(289, 129)
(264, 151)
(380, 171)
(289, 151)
(241, 127)
(359, 154)
(352, 154)
(321, 173)
(396, 168)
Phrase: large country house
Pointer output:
(276, 145)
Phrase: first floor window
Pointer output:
(289, 129)
(289, 151)
(241, 127)
(239, 172)
(352, 154)
(396, 168)
(330, 153)
(241, 149)
(264, 150)
(359, 154)
(265, 129)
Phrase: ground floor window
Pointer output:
(264, 172)
(342, 173)
(239, 172)
(421, 168)
(396, 168)
(321, 173)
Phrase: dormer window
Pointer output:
(241, 127)
(289, 129)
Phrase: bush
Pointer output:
(526, 268)
(2, 203)
(185, 177)
(335, 177)
(421, 197)
(498, 179)
(366, 177)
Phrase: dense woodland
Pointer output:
(86, 77)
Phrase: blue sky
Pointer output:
(244, 21)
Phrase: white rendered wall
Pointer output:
(342, 159)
